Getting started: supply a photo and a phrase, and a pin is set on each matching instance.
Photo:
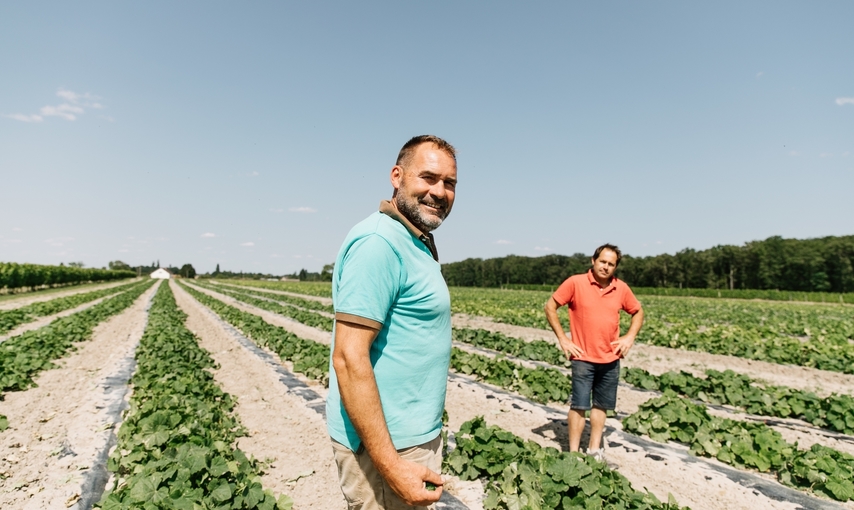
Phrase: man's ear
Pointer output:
(396, 176)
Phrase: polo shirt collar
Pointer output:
(388, 208)
(593, 281)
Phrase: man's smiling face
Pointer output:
(424, 189)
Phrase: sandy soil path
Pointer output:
(58, 429)
(37, 297)
(282, 429)
(658, 360)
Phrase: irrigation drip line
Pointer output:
(116, 389)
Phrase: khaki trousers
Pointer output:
(365, 489)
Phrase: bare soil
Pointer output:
(57, 429)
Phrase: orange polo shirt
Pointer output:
(594, 314)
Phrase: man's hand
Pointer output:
(408, 480)
(569, 348)
(623, 345)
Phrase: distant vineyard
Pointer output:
(18, 276)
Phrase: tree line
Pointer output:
(810, 265)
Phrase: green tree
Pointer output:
(187, 271)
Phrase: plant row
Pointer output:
(308, 304)
(835, 412)
(745, 445)
(305, 317)
(176, 447)
(10, 319)
(308, 357)
(15, 276)
(522, 474)
(25, 355)
(817, 336)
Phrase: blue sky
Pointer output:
(255, 135)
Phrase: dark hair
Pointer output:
(408, 149)
(611, 247)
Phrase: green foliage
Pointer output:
(745, 445)
(308, 357)
(541, 384)
(11, 319)
(16, 276)
(176, 445)
(22, 357)
(835, 412)
(303, 316)
(523, 475)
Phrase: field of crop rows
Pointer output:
(200, 394)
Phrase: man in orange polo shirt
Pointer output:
(594, 345)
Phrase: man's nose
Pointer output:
(438, 190)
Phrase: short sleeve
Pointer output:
(565, 293)
(630, 303)
(369, 279)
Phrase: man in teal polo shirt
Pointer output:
(392, 339)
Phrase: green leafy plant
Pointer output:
(176, 445)
(523, 475)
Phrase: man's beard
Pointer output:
(409, 207)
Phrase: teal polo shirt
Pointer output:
(387, 276)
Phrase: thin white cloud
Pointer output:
(794, 153)
(124, 250)
(825, 155)
(107, 118)
(254, 174)
(75, 104)
(248, 243)
(844, 100)
(503, 241)
(542, 248)
(208, 234)
(846, 154)
(65, 110)
(19, 229)
(276, 210)
(12, 241)
(759, 74)
(303, 209)
(24, 118)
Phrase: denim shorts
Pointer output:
(599, 378)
